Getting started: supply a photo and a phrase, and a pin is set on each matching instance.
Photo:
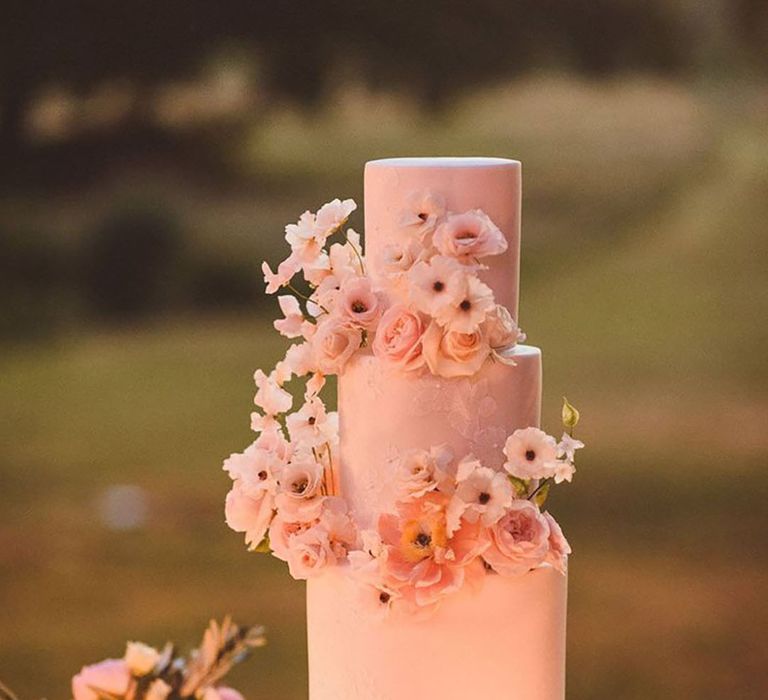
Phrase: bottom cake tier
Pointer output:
(503, 642)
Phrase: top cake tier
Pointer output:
(490, 184)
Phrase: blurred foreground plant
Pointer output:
(144, 673)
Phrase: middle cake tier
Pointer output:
(384, 412)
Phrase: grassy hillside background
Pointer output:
(644, 282)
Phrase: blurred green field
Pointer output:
(645, 283)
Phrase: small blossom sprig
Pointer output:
(146, 673)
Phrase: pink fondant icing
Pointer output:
(490, 184)
(505, 642)
(384, 411)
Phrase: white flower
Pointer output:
(270, 396)
(311, 425)
(256, 468)
(481, 494)
(140, 658)
(563, 471)
(418, 472)
(293, 324)
(436, 284)
(332, 216)
(424, 211)
(466, 311)
(567, 447)
(531, 454)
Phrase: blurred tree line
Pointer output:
(431, 49)
(137, 260)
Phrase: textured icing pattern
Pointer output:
(384, 412)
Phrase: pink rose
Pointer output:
(110, 677)
(519, 541)
(280, 533)
(300, 498)
(358, 302)
(501, 329)
(335, 341)
(398, 338)
(469, 235)
(324, 544)
(559, 549)
(249, 514)
(454, 354)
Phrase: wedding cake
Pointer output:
(416, 513)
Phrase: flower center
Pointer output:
(465, 235)
(300, 486)
(465, 305)
(423, 215)
(384, 597)
(262, 475)
(422, 540)
(359, 307)
(438, 286)
(483, 498)
(530, 455)
(311, 420)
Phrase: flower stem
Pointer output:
(539, 487)
(358, 253)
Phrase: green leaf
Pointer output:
(542, 493)
(521, 486)
(570, 415)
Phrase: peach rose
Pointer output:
(469, 235)
(111, 677)
(519, 541)
(453, 354)
(250, 514)
(335, 341)
(398, 338)
(299, 498)
(501, 328)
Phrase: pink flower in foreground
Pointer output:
(221, 692)
(105, 679)
(469, 236)
(452, 354)
(422, 213)
(482, 494)
(559, 549)
(270, 396)
(359, 303)
(398, 338)
(519, 541)
(335, 341)
(469, 309)
(531, 454)
(437, 284)
(423, 563)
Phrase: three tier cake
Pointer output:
(416, 513)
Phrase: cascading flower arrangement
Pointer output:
(426, 310)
